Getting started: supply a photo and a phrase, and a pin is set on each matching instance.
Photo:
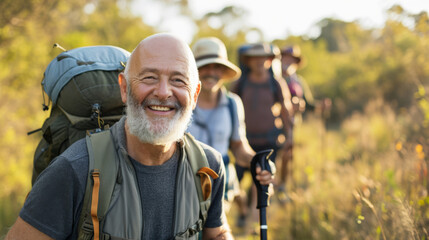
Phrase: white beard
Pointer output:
(158, 130)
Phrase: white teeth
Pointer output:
(160, 108)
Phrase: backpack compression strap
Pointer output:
(102, 174)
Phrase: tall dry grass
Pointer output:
(364, 179)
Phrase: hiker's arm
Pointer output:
(287, 98)
(21, 230)
(220, 229)
(286, 113)
(288, 127)
(242, 152)
(216, 225)
(239, 144)
(222, 232)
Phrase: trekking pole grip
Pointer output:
(261, 159)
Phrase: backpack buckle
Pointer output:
(196, 228)
(191, 231)
(87, 227)
(96, 115)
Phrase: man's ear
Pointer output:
(197, 92)
(123, 87)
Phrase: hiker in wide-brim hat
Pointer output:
(212, 51)
(218, 118)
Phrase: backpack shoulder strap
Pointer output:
(232, 107)
(102, 175)
(202, 173)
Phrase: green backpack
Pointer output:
(83, 86)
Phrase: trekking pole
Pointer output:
(261, 159)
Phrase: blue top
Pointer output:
(214, 126)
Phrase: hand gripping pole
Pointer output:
(261, 159)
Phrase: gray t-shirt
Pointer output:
(157, 218)
(55, 201)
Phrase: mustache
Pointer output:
(209, 77)
(167, 103)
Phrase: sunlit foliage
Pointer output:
(363, 177)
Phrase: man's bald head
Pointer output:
(167, 45)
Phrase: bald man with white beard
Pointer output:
(160, 87)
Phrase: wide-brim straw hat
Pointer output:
(212, 50)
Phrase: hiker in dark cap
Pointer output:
(302, 98)
(266, 99)
(156, 193)
(218, 118)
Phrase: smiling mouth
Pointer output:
(160, 108)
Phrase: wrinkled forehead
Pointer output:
(163, 52)
(163, 47)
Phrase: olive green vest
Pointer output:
(118, 207)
